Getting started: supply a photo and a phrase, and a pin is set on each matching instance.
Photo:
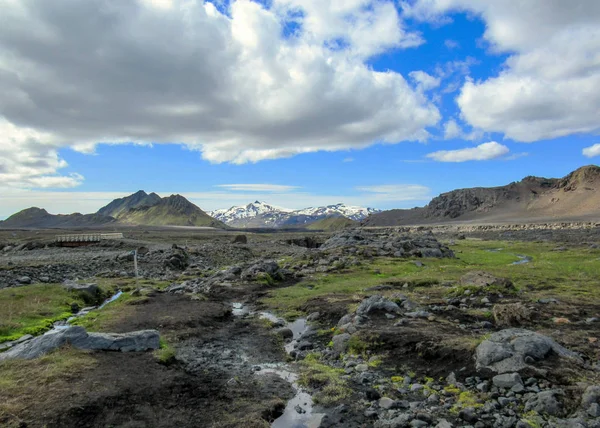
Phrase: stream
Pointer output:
(62, 325)
(299, 411)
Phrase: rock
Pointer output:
(418, 314)
(507, 380)
(416, 387)
(443, 423)
(24, 280)
(377, 303)
(240, 239)
(484, 279)
(285, 333)
(511, 314)
(548, 300)
(91, 293)
(590, 396)
(346, 319)
(340, 343)
(594, 410)
(386, 403)
(361, 368)
(80, 339)
(268, 267)
(313, 316)
(505, 351)
(417, 423)
(545, 402)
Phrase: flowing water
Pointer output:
(299, 412)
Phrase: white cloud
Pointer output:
(452, 130)
(549, 85)
(485, 151)
(451, 44)
(258, 187)
(425, 82)
(592, 151)
(234, 87)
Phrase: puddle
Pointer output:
(522, 260)
(494, 250)
(298, 327)
(239, 310)
(298, 412)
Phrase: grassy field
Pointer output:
(571, 276)
(33, 309)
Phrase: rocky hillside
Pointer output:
(260, 214)
(137, 200)
(172, 211)
(533, 198)
(331, 224)
(40, 218)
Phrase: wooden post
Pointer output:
(135, 263)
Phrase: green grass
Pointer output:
(165, 354)
(570, 275)
(33, 309)
(102, 320)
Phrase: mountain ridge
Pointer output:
(261, 214)
(574, 196)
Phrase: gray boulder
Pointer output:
(78, 338)
(90, 293)
(505, 351)
(545, 402)
(269, 267)
(377, 303)
(507, 380)
(340, 343)
(590, 396)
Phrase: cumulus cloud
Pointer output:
(548, 87)
(425, 81)
(258, 187)
(452, 130)
(485, 151)
(237, 87)
(592, 151)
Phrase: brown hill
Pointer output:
(574, 197)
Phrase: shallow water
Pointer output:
(63, 325)
(298, 328)
(522, 260)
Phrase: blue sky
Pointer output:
(294, 102)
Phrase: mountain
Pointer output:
(40, 218)
(137, 200)
(331, 224)
(255, 214)
(172, 211)
(260, 214)
(137, 209)
(574, 197)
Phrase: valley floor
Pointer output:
(224, 336)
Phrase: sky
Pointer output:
(379, 103)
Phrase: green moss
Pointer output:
(327, 380)
(467, 399)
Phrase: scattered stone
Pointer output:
(340, 343)
(545, 402)
(25, 280)
(512, 314)
(361, 368)
(594, 410)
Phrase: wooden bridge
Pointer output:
(85, 239)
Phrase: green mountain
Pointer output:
(138, 200)
(172, 211)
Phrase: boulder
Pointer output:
(377, 303)
(507, 380)
(240, 239)
(91, 293)
(25, 280)
(484, 279)
(269, 267)
(506, 351)
(590, 396)
(79, 338)
(545, 402)
(340, 343)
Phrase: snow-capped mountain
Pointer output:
(260, 214)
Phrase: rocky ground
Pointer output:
(383, 328)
